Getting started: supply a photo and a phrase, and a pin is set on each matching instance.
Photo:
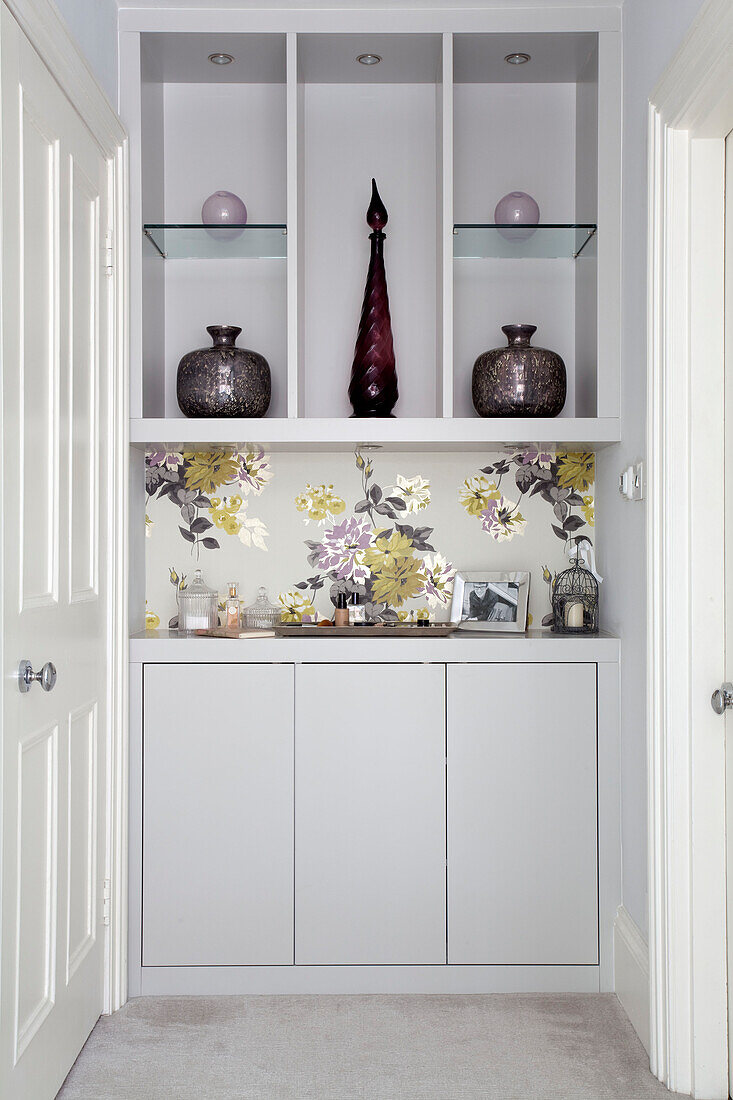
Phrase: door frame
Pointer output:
(43, 26)
(690, 113)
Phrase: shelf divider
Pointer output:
(294, 210)
(445, 380)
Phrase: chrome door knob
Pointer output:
(722, 699)
(26, 676)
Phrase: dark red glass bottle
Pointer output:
(373, 387)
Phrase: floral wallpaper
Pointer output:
(392, 527)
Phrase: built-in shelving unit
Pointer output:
(298, 128)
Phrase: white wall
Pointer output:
(653, 30)
(93, 24)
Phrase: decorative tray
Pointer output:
(377, 630)
(244, 632)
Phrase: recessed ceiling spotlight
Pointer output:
(220, 58)
(368, 59)
(517, 58)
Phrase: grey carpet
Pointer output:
(500, 1047)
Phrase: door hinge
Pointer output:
(106, 901)
(109, 254)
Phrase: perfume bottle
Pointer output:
(357, 612)
(232, 608)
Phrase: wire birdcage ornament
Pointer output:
(575, 600)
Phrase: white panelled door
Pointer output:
(55, 367)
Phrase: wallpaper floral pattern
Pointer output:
(189, 478)
(386, 565)
(561, 480)
(398, 544)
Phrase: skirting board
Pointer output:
(631, 973)
(222, 980)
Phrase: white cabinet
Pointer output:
(370, 814)
(365, 815)
(218, 815)
(522, 815)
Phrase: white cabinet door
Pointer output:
(218, 815)
(370, 814)
(522, 822)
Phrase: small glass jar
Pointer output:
(262, 615)
(197, 606)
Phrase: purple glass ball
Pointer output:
(517, 208)
(224, 208)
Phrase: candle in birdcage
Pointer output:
(574, 614)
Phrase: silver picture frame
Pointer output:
(491, 601)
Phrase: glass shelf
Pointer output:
(522, 242)
(218, 242)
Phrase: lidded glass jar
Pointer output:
(197, 606)
(262, 615)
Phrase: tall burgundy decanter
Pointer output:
(373, 386)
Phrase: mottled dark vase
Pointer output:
(223, 380)
(519, 380)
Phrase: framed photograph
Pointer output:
(490, 601)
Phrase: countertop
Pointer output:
(463, 646)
